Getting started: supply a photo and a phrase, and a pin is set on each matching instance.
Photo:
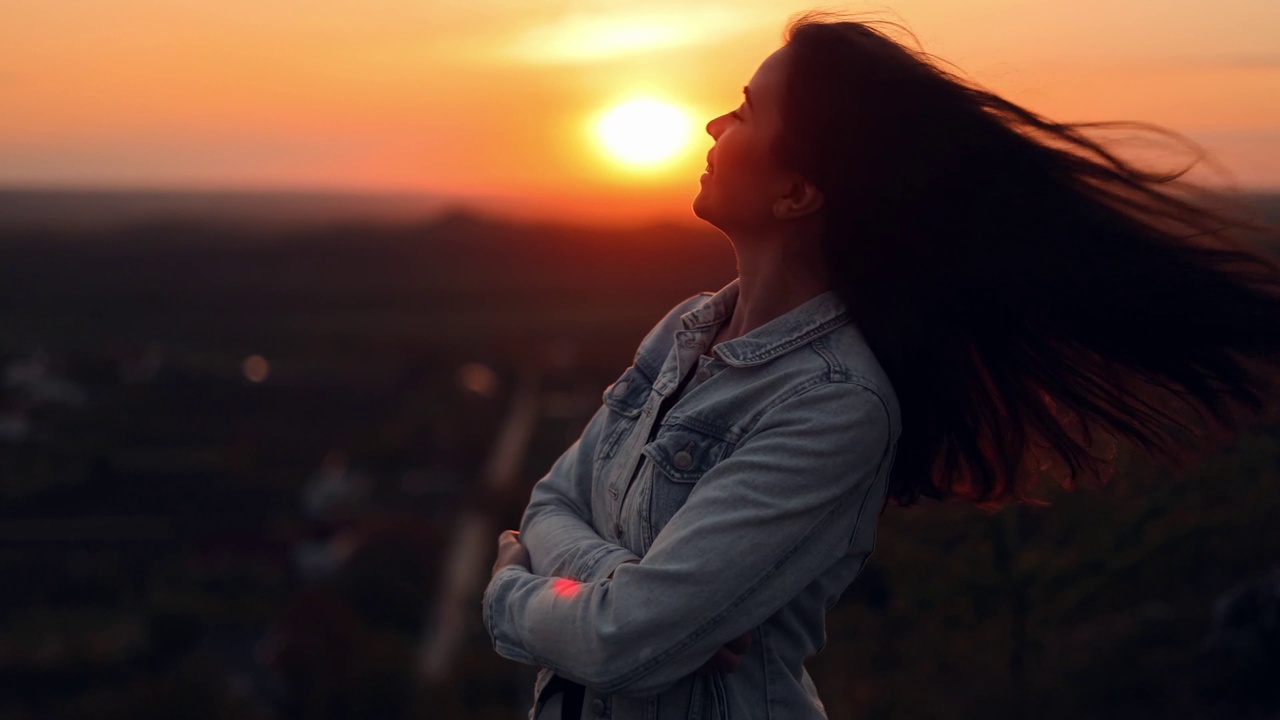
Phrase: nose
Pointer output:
(714, 128)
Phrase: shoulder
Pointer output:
(850, 359)
(830, 421)
(836, 370)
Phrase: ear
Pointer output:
(803, 198)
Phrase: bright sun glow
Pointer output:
(644, 133)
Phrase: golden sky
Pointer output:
(497, 97)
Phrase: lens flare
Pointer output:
(565, 588)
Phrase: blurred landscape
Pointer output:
(238, 434)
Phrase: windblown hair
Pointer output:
(1033, 297)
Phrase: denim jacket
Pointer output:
(751, 509)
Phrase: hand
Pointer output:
(728, 657)
(510, 552)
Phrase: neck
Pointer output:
(775, 275)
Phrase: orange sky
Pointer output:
(493, 97)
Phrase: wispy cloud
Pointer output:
(1233, 60)
(588, 36)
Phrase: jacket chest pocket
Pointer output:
(624, 400)
(679, 456)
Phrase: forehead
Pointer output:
(766, 83)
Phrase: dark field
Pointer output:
(233, 450)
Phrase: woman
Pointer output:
(939, 293)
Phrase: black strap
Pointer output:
(571, 703)
(663, 407)
(671, 399)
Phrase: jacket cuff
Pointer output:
(496, 616)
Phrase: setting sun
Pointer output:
(644, 133)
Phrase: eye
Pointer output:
(735, 114)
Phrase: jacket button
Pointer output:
(703, 374)
(683, 460)
(597, 706)
(620, 388)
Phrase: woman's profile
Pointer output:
(940, 294)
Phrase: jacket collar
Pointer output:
(811, 320)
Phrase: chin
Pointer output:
(700, 206)
(705, 208)
(709, 218)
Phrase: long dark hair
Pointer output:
(1032, 296)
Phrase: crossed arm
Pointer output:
(556, 527)
(757, 528)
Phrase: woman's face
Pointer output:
(745, 182)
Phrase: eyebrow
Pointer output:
(748, 94)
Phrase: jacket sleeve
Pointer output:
(556, 527)
(756, 529)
